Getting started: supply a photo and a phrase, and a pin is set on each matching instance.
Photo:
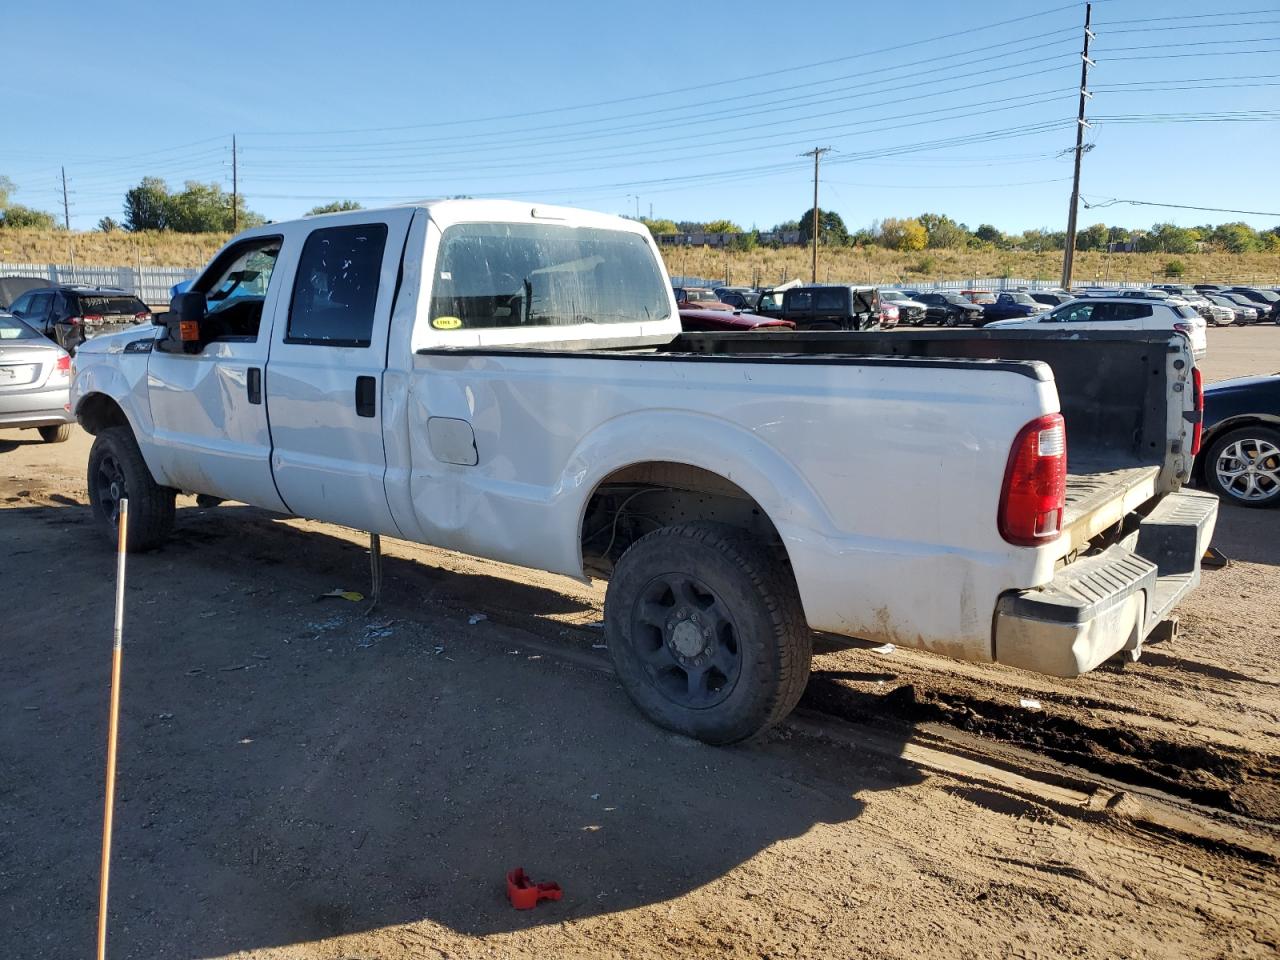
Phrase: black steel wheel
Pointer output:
(117, 471)
(706, 632)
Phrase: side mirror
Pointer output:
(183, 322)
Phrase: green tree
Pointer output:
(7, 187)
(1168, 238)
(16, 215)
(745, 242)
(660, 227)
(943, 232)
(723, 226)
(1175, 268)
(336, 206)
(986, 233)
(831, 229)
(145, 205)
(1236, 238)
(1092, 238)
(108, 225)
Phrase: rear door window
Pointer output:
(829, 301)
(800, 300)
(336, 287)
(1075, 313)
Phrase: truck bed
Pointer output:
(1113, 388)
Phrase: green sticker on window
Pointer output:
(446, 323)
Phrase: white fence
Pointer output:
(150, 284)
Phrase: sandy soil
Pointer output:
(299, 780)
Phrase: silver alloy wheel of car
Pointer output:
(1249, 469)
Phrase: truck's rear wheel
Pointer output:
(706, 632)
(117, 471)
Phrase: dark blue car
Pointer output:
(1012, 306)
(1240, 451)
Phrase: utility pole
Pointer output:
(1069, 254)
(816, 153)
(235, 188)
(66, 207)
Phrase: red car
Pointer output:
(888, 315)
(694, 319)
(698, 298)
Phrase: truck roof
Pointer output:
(468, 210)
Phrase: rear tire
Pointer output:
(1228, 462)
(116, 471)
(707, 633)
(58, 434)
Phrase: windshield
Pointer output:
(956, 298)
(702, 296)
(533, 274)
(11, 328)
(893, 295)
(245, 278)
(1022, 298)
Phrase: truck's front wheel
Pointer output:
(707, 633)
(117, 471)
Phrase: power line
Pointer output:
(1178, 206)
(861, 55)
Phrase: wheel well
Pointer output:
(640, 498)
(97, 411)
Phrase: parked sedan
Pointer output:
(950, 309)
(1267, 300)
(889, 315)
(1240, 313)
(1240, 452)
(693, 319)
(1253, 311)
(1011, 306)
(35, 381)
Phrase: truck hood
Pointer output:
(116, 342)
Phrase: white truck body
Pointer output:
(880, 477)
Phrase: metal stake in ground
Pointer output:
(113, 721)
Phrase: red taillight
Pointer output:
(62, 370)
(142, 315)
(1035, 483)
(64, 364)
(91, 318)
(1183, 328)
(1197, 385)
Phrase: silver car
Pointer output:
(35, 381)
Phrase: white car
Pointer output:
(1123, 312)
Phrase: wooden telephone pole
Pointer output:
(1069, 254)
(816, 153)
(66, 207)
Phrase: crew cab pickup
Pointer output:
(511, 381)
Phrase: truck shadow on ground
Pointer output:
(1248, 534)
(292, 770)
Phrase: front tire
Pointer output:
(56, 434)
(707, 633)
(1244, 467)
(117, 471)
(952, 320)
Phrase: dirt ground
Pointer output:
(299, 780)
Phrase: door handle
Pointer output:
(366, 396)
(255, 385)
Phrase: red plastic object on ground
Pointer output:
(524, 894)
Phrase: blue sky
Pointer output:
(692, 110)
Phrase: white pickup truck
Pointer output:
(511, 381)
